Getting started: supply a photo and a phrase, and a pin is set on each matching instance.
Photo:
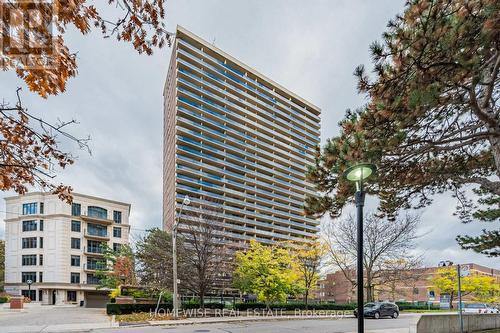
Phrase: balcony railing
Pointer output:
(94, 266)
(93, 233)
(93, 250)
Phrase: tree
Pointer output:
(2, 264)
(432, 122)
(206, 257)
(267, 271)
(29, 151)
(29, 146)
(308, 261)
(385, 252)
(482, 287)
(118, 268)
(154, 259)
(46, 66)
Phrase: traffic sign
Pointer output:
(464, 270)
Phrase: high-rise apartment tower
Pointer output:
(233, 136)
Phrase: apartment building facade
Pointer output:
(235, 137)
(415, 287)
(53, 249)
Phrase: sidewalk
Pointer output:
(58, 328)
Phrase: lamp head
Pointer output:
(359, 172)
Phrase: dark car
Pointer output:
(379, 309)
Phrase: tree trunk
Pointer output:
(495, 150)
(202, 300)
(306, 297)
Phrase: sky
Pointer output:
(310, 47)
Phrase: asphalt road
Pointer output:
(400, 325)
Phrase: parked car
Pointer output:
(479, 308)
(379, 309)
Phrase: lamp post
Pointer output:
(358, 173)
(459, 275)
(186, 202)
(29, 282)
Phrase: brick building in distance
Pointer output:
(416, 288)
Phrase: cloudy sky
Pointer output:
(310, 47)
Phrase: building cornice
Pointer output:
(74, 194)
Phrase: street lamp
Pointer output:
(186, 202)
(29, 282)
(358, 173)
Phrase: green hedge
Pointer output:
(295, 306)
(415, 306)
(4, 299)
(196, 305)
(116, 309)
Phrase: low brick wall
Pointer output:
(16, 302)
(449, 323)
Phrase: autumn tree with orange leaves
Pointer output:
(33, 45)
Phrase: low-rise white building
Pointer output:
(58, 247)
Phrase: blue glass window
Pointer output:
(99, 212)
(29, 225)
(30, 208)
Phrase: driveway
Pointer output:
(36, 318)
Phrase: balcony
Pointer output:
(93, 266)
(96, 234)
(96, 219)
(97, 251)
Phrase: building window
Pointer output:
(100, 213)
(29, 243)
(75, 243)
(40, 259)
(25, 276)
(76, 209)
(117, 232)
(41, 242)
(75, 261)
(76, 226)
(29, 208)
(40, 295)
(71, 295)
(92, 279)
(117, 216)
(97, 230)
(40, 277)
(31, 294)
(75, 277)
(117, 247)
(95, 264)
(41, 207)
(29, 260)
(41, 225)
(94, 246)
(29, 225)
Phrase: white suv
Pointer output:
(479, 308)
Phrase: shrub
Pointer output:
(415, 306)
(294, 306)
(4, 299)
(194, 304)
(116, 309)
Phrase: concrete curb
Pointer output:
(213, 320)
